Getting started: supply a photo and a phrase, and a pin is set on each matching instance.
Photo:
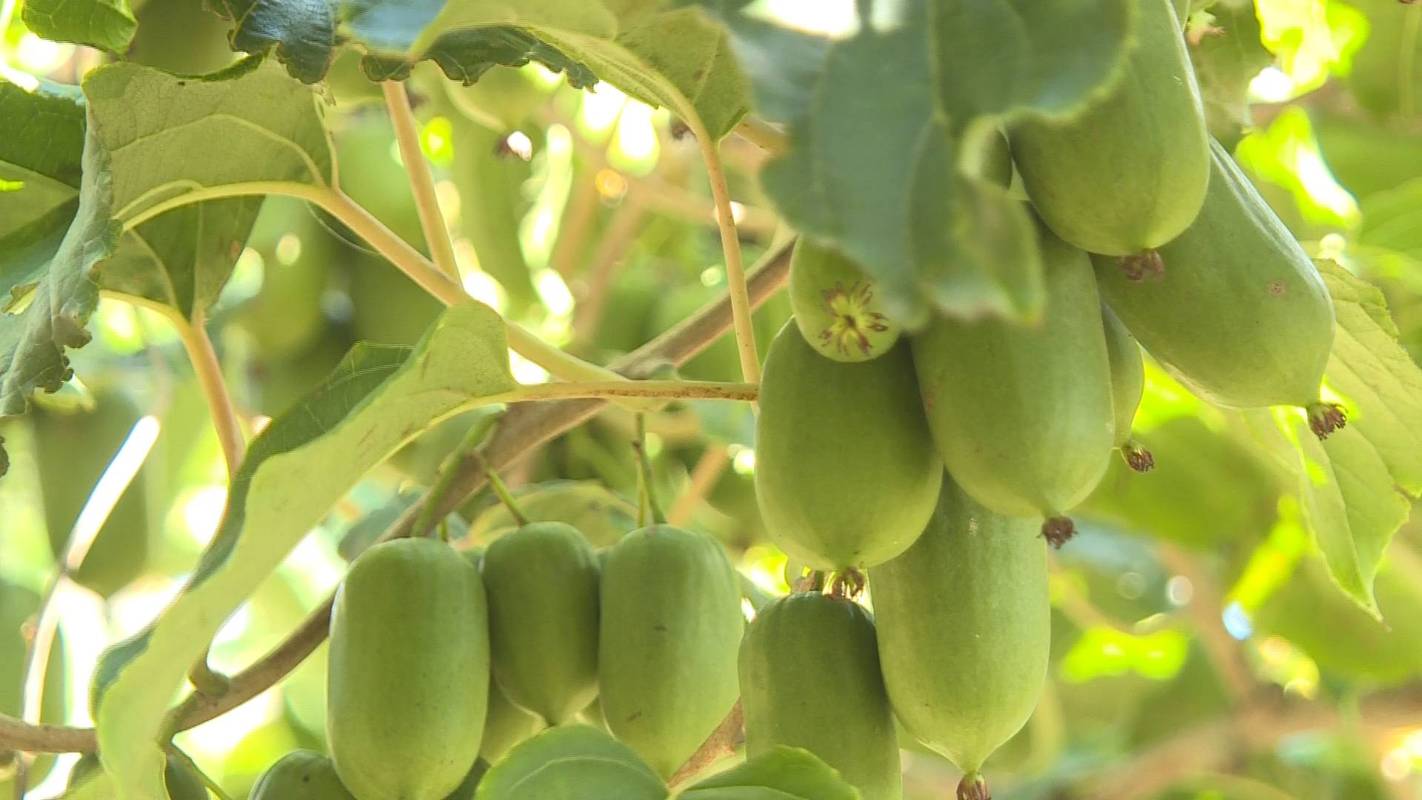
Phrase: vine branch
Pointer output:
(208, 370)
(525, 426)
(398, 252)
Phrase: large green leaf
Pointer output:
(784, 773)
(39, 155)
(153, 142)
(672, 57)
(105, 24)
(1354, 487)
(571, 763)
(885, 127)
(377, 399)
(1378, 382)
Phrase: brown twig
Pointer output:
(526, 425)
(722, 742)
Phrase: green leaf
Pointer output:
(689, 51)
(675, 58)
(39, 155)
(105, 24)
(784, 773)
(1379, 384)
(377, 399)
(879, 124)
(575, 762)
(1353, 487)
(152, 142)
(1227, 57)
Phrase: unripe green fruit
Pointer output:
(836, 306)
(408, 678)
(810, 678)
(542, 585)
(1240, 316)
(671, 626)
(1127, 386)
(301, 775)
(1022, 414)
(964, 627)
(1128, 173)
(179, 779)
(846, 474)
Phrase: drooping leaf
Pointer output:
(671, 57)
(876, 124)
(785, 773)
(152, 143)
(1379, 383)
(105, 24)
(1354, 486)
(1227, 55)
(571, 763)
(39, 155)
(378, 398)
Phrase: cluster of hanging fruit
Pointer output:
(936, 464)
(932, 458)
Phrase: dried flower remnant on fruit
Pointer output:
(1139, 458)
(1146, 265)
(1058, 531)
(848, 584)
(853, 319)
(974, 787)
(1325, 418)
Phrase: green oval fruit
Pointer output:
(1129, 173)
(1240, 315)
(505, 725)
(964, 627)
(1022, 414)
(845, 472)
(408, 677)
(810, 678)
(542, 584)
(72, 452)
(836, 307)
(1127, 386)
(179, 779)
(301, 775)
(671, 626)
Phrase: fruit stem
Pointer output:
(502, 492)
(646, 491)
